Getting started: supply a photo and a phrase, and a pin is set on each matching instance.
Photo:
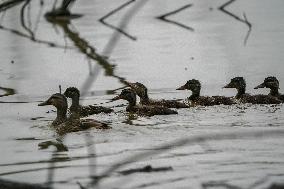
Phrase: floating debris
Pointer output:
(146, 169)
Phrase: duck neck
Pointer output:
(144, 98)
(131, 104)
(241, 91)
(75, 103)
(195, 94)
(61, 115)
(274, 91)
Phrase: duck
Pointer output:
(142, 91)
(64, 125)
(196, 100)
(272, 83)
(144, 110)
(83, 111)
(239, 83)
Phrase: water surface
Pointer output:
(163, 57)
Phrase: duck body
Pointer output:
(211, 101)
(90, 110)
(272, 83)
(75, 125)
(74, 94)
(144, 110)
(142, 92)
(196, 100)
(258, 99)
(239, 84)
(64, 125)
(164, 103)
(147, 110)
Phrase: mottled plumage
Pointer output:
(273, 84)
(130, 96)
(74, 94)
(142, 92)
(64, 125)
(240, 84)
(195, 99)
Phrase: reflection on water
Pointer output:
(238, 146)
(164, 17)
(102, 20)
(8, 91)
(243, 20)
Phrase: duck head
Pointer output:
(72, 92)
(58, 100)
(127, 94)
(269, 82)
(140, 89)
(193, 85)
(272, 83)
(238, 83)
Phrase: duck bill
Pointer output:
(45, 103)
(228, 86)
(181, 88)
(115, 98)
(260, 86)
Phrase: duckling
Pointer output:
(130, 96)
(240, 84)
(74, 94)
(60, 103)
(272, 83)
(64, 125)
(142, 91)
(195, 99)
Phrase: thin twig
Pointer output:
(18, 33)
(102, 20)
(193, 140)
(112, 43)
(164, 17)
(9, 4)
(38, 18)
(245, 20)
(218, 184)
(92, 154)
(23, 20)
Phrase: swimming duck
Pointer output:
(64, 125)
(240, 84)
(272, 83)
(195, 98)
(142, 91)
(74, 94)
(130, 96)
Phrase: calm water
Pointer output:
(163, 57)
